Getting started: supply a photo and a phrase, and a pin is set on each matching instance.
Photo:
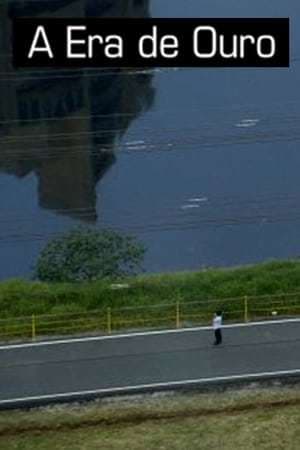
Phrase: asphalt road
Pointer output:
(75, 368)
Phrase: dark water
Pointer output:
(202, 165)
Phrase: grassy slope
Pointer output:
(238, 420)
(18, 297)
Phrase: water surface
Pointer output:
(199, 164)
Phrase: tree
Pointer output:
(89, 254)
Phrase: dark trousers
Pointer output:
(218, 336)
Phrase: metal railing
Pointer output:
(175, 314)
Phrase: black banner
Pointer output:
(150, 42)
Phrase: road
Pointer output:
(49, 371)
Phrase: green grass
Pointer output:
(257, 420)
(24, 298)
(21, 298)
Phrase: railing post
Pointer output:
(246, 318)
(33, 327)
(109, 320)
(177, 314)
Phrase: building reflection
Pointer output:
(65, 125)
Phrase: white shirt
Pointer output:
(217, 322)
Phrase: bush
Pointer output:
(89, 254)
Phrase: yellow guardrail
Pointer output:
(176, 314)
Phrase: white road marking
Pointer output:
(144, 333)
(149, 386)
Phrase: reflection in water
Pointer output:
(65, 125)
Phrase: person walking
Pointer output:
(217, 326)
